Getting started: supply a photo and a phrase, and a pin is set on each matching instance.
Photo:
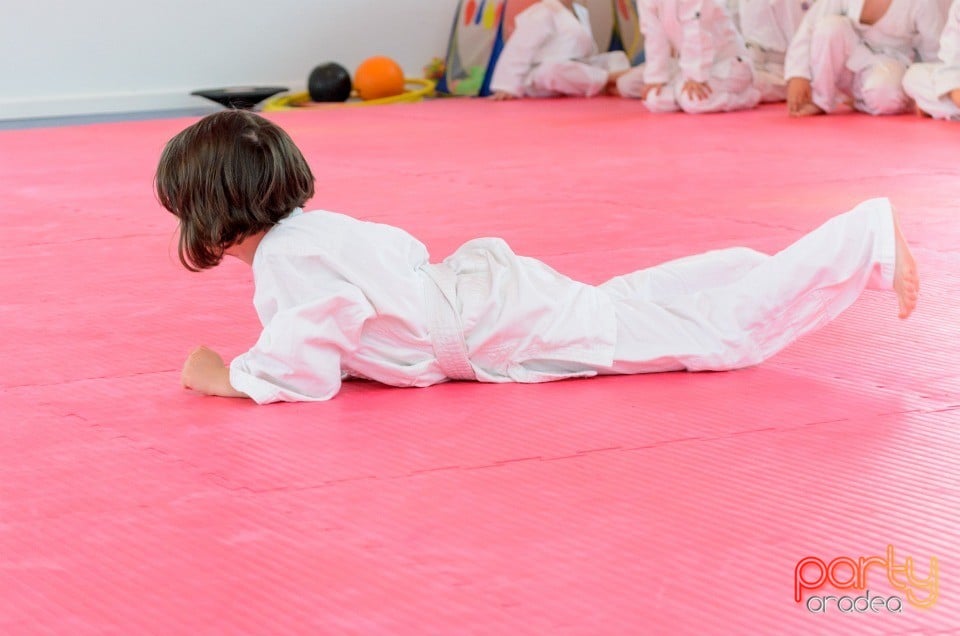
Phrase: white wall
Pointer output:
(63, 57)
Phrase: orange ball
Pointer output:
(378, 77)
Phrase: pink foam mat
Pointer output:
(675, 503)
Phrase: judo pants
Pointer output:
(768, 73)
(574, 78)
(737, 307)
(498, 317)
(919, 83)
(730, 82)
(842, 67)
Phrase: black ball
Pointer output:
(329, 82)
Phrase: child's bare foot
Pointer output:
(611, 87)
(906, 280)
(807, 110)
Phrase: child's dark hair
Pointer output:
(229, 176)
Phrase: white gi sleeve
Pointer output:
(929, 24)
(297, 357)
(657, 49)
(787, 16)
(947, 76)
(797, 62)
(697, 47)
(534, 26)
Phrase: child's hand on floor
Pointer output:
(651, 88)
(799, 94)
(502, 96)
(205, 372)
(696, 90)
(955, 97)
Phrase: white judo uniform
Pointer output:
(341, 298)
(552, 53)
(691, 40)
(844, 58)
(767, 27)
(930, 84)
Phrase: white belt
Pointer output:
(761, 55)
(446, 330)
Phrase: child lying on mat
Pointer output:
(341, 298)
(551, 53)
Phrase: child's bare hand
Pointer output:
(205, 372)
(696, 90)
(502, 96)
(955, 97)
(651, 88)
(799, 94)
